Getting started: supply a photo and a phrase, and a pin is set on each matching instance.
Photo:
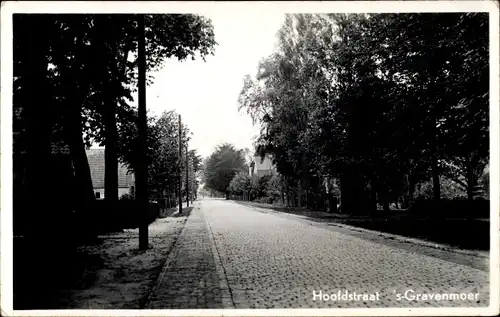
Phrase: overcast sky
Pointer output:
(206, 93)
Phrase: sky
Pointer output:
(205, 94)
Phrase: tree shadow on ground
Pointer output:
(42, 269)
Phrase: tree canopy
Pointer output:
(381, 101)
(241, 183)
(74, 80)
(221, 167)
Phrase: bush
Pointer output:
(240, 183)
(264, 200)
(101, 216)
(273, 187)
(262, 185)
(126, 197)
(449, 190)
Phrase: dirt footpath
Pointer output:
(125, 276)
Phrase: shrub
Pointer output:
(264, 200)
(449, 190)
(240, 183)
(102, 216)
(126, 197)
(273, 187)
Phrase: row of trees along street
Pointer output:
(395, 106)
(164, 163)
(74, 81)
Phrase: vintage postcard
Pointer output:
(250, 158)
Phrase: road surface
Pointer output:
(234, 256)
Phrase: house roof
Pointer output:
(97, 166)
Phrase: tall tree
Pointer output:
(222, 165)
(371, 104)
(175, 35)
(33, 33)
(82, 69)
(162, 151)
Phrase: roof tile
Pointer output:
(97, 168)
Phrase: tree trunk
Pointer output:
(329, 202)
(386, 205)
(305, 197)
(108, 65)
(331, 207)
(471, 183)
(373, 196)
(384, 197)
(37, 109)
(436, 186)
(287, 191)
(353, 194)
(332, 201)
(282, 193)
(299, 194)
(346, 200)
(78, 154)
(110, 153)
(410, 189)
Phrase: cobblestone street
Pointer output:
(232, 256)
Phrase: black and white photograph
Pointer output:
(250, 158)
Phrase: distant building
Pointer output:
(97, 166)
(260, 167)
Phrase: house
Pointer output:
(260, 167)
(97, 166)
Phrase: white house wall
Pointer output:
(264, 165)
(121, 192)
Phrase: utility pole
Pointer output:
(142, 170)
(180, 165)
(187, 176)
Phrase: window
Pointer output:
(97, 195)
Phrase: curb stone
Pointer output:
(166, 266)
(399, 238)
